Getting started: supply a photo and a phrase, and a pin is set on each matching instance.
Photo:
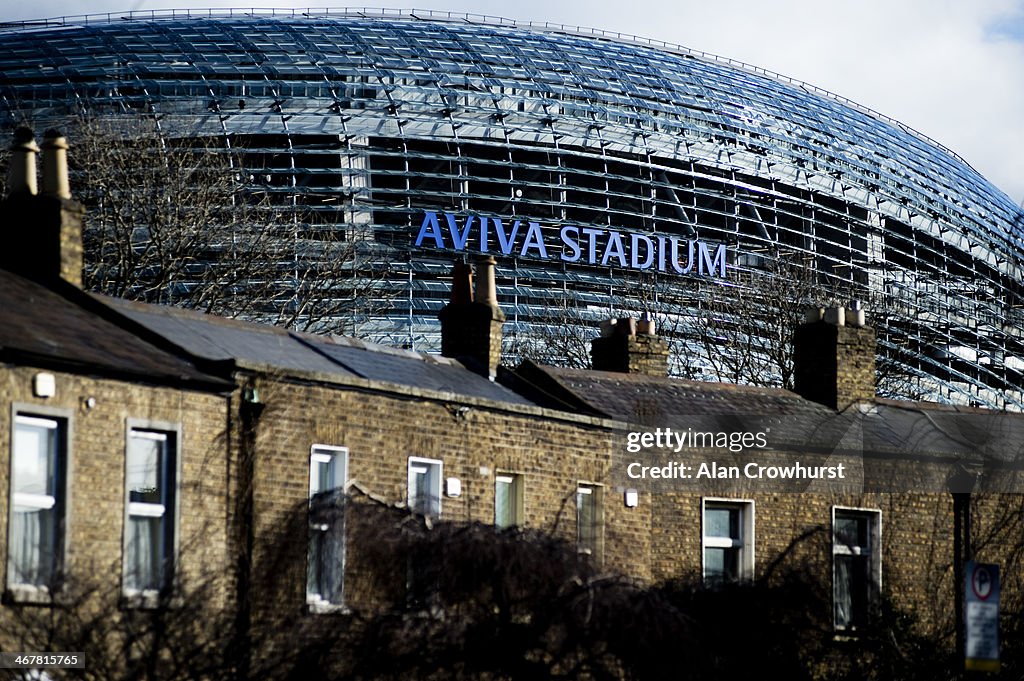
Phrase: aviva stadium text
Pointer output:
(589, 245)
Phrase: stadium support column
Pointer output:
(471, 324)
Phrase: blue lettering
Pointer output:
(675, 256)
(534, 239)
(592, 245)
(634, 250)
(707, 265)
(507, 241)
(459, 239)
(614, 243)
(641, 253)
(430, 220)
(572, 243)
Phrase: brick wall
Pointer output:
(97, 411)
(382, 431)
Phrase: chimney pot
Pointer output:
(462, 284)
(486, 291)
(836, 316)
(55, 165)
(21, 176)
(626, 326)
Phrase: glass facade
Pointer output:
(363, 123)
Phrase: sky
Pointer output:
(951, 69)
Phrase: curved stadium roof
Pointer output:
(477, 115)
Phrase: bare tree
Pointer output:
(189, 222)
(746, 327)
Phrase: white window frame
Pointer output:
(874, 516)
(171, 435)
(515, 484)
(415, 464)
(746, 542)
(596, 492)
(320, 453)
(61, 421)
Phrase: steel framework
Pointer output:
(365, 119)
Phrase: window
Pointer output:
(325, 569)
(151, 525)
(508, 500)
(856, 565)
(38, 502)
(728, 540)
(425, 486)
(589, 520)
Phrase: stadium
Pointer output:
(607, 174)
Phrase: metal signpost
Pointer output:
(981, 617)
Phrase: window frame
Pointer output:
(419, 460)
(874, 516)
(149, 598)
(515, 481)
(746, 542)
(18, 592)
(321, 453)
(595, 491)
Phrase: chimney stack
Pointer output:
(834, 357)
(471, 325)
(629, 346)
(42, 239)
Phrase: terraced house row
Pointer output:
(154, 455)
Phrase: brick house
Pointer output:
(163, 430)
(113, 446)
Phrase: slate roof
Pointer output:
(640, 398)
(218, 338)
(883, 428)
(57, 326)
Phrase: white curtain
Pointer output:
(32, 547)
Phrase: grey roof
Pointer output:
(218, 338)
(56, 325)
(639, 398)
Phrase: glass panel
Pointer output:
(852, 531)
(146, 457)
(325, 475)
(424, 489)
(506, 492)
(586, 514)
(852, 590)
(721, 564)
(722, 522)
(326, 566)
(145, 555)
(33, 546)
(35, 457)
(34, 543)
